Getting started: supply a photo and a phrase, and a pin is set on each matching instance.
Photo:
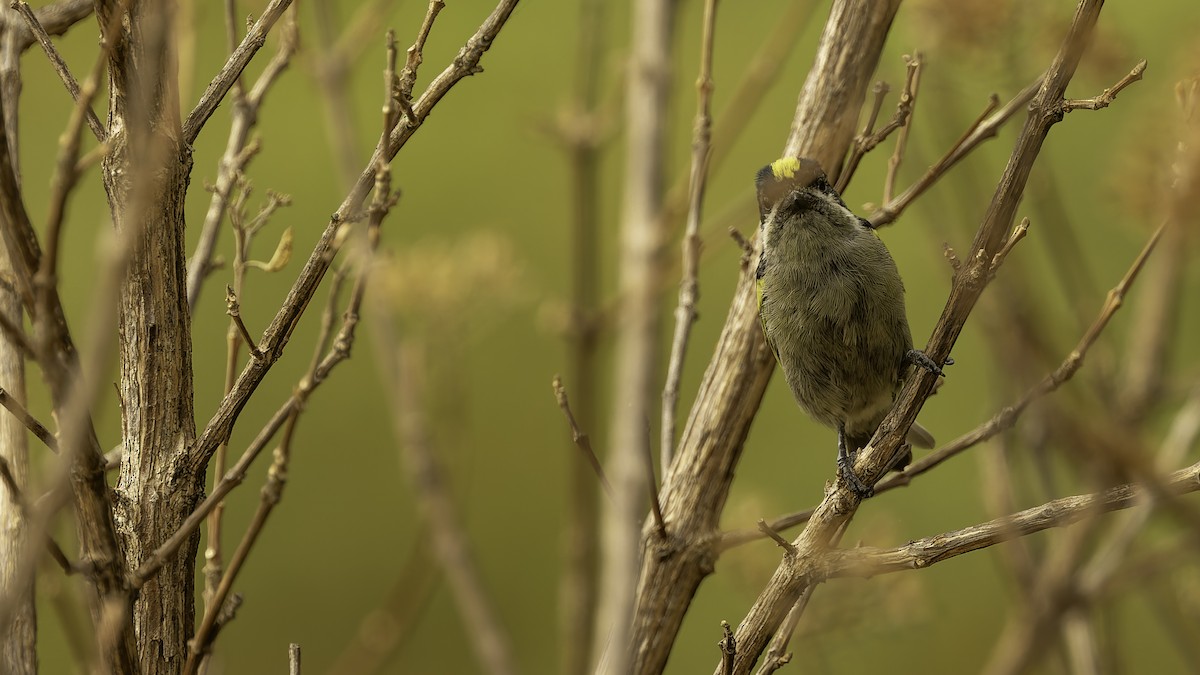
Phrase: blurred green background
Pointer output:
(485, 185)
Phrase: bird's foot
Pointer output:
(845, 464)
(918, 358)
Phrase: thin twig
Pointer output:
(275, 337)
(689, 285)
(413, 58)
(238, 152)
(770, 532)
(858, 147)
(272, 492)
(868, 139)
(1108, 95)
(234, 310)
(37, 428)
(866, 561)
(60, 66)
(984, 127)
(581, 439)
(256, 37)
(908, 99)
(17, 497)
(728, 646)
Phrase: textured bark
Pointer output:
(18, 645)
(146, 177)
(694, 492)
(18, 653)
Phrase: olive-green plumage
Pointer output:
(831, 303)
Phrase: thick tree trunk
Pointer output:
(146, 177)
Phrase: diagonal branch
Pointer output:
(255, 38)
(278, 333)
(867, 561)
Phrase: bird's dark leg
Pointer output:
(918, 358)
(846, 467)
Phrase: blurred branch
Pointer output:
(582, 139)
(22, 415)
(1146, 357)
(638, 327)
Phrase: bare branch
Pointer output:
(982, 129)
(581, 439)
(689, 286)
(60, 67)
(280, 329)
(255, 38)
(35, 427)
(868, 561)
(1106, 97)
(908, 98)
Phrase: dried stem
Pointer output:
(908, 99)
(866, 561)
(1106, 97)
(238, 152)
(689, 285)
(581, 439)
(231, 72)
(60, 67)
(638, 326)
(218, 428)
(984, 127)
(35, 427)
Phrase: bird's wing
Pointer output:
(762, 320)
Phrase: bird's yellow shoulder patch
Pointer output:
(785, 168)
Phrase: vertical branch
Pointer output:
(638, 325)
(689, 286)
(581, 131)
(18, 642)
(146, 177)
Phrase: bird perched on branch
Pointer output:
(832, 308)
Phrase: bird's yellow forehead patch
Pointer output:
(785, 168)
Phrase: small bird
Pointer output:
(832, 308)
